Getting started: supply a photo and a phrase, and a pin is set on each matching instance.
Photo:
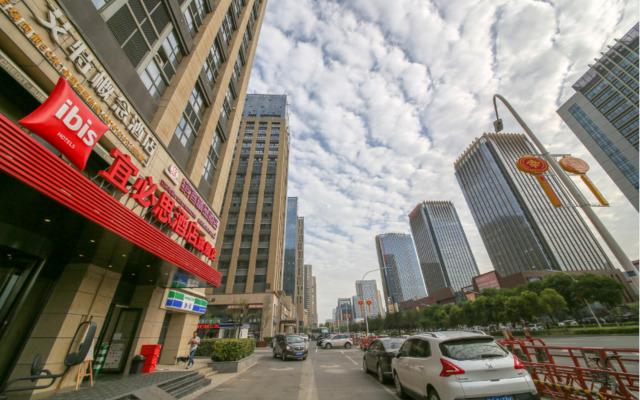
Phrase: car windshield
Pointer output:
(472, 349)
(392, 344)
(294, 339)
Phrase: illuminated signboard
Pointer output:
(184, 302)
(488, 280)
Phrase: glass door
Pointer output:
(121, 339)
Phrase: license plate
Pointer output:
(500, 398)
(299, 354)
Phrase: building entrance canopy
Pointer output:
(28, 161)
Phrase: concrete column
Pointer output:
(83, 292)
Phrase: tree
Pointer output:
(553, 301)
(238, 313)
(603, 289)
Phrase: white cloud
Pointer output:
(385, 96)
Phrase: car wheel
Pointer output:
(381, 378)
(347, 345)
(328, 346)
(284, 356)
(304, 358)
(433, 395)
(399, 391)
(364, 366)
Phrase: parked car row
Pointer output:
(448, 365)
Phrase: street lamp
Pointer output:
(585, 301)
(577, 195)
(366, 320)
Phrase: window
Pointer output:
(472, 349)
(161, 68)
(153, 80)
(136, 25)
(212, 157)
(191, 120)
(194, 15)
(212, 64)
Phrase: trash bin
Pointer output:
(136, 364)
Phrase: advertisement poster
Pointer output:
(114, 355)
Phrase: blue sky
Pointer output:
(385, 95)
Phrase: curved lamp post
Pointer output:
(577, 195)
(366, 320)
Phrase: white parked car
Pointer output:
(338, 341)
(460, 365)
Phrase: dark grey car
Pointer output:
(290, 346)
(377, 357)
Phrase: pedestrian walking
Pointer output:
(194, 342)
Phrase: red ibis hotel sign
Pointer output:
(65, 122)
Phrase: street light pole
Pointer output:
(366, 320)
(577, 195)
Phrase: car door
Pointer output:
(369, 355)
(423, 365)
(403, 364)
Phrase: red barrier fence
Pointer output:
(578, 372)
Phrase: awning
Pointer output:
(27, 160)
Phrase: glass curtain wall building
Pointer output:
(368, 290)
(443, 250)
(603, 113)
(401, 276)
(521, 229)
(289, 273)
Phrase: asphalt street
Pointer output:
(332, 374)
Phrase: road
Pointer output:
(336, 374)
(333, 374)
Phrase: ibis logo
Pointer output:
(67, 124)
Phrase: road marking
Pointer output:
(308, 391)
(349, 358)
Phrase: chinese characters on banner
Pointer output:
(163, 208)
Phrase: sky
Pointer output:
(384, 96)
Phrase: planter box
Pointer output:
(226, 367)
(261, 343)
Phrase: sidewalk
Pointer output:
(145, 386)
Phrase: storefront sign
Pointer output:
(103, 98)
(64, 122)
(184, 302)
(162, 208)
(114, 355)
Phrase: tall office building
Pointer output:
(343, 311)
(314, 303)
(521, 229)
(252, 239)
(443, 250)
(603, 113)
(300, 278)
(357, 314)
(146, 92)
(401, 276)
(368, 291)
(290, 272)
(307, 298)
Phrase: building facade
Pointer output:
(520, 228)
(344, 311)
(252, 239)
(368, 291)
(114, 220)
(314, 302)
(603, 113)
(443, 250)
(400, 271)
(290, 272)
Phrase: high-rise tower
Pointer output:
(443, 250)
(521, 229)
(603, 113)
(401, 276)
(368, 291)
(253, 237)
(290, 272)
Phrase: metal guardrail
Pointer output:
(577, 372)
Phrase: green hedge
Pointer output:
(206, 347)
(232, 349)
(608, 331)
